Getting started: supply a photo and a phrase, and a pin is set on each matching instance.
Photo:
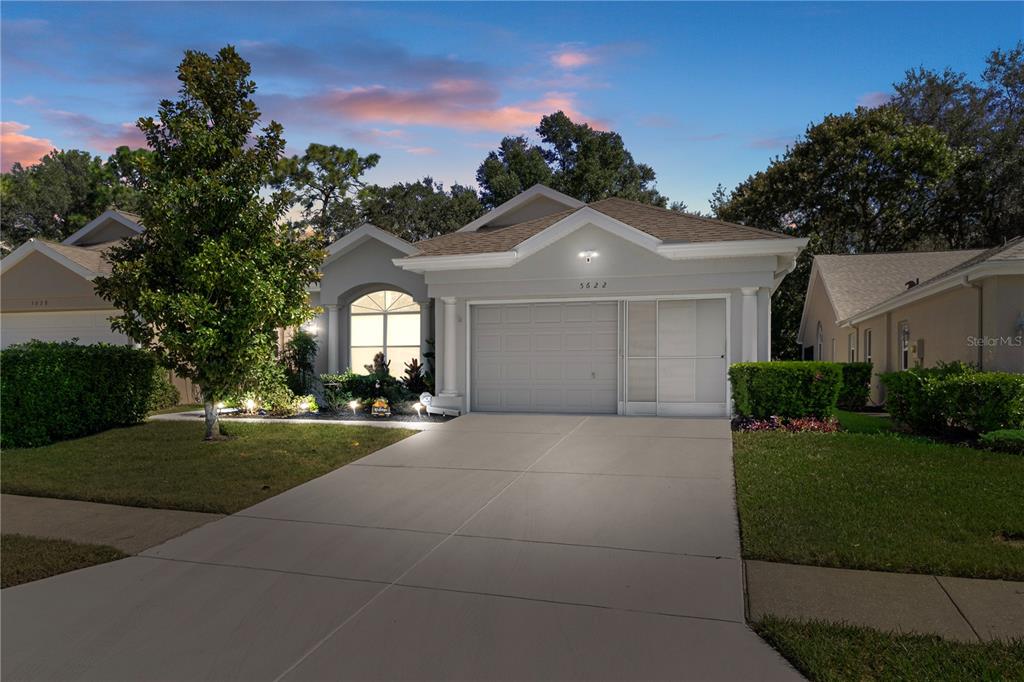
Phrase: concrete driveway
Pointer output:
(494, 547)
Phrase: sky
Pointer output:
(704, 93)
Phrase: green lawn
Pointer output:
(864, 422)
(24, 558)
(883, 502)
(823, 651)
(179, 408)
(168, 465)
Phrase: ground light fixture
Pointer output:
(250, 404)
(589, 255)
(304, 406)
(419, 408)
(353, 404)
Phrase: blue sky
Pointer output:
(705, 93)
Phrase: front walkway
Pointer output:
(961, 609)
(129, 529)
(493, 546)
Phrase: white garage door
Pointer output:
(88, 326)
(544, 357)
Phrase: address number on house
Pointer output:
(594, 284)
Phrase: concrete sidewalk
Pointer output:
(129, 529)
(962, 609)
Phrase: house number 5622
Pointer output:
(593, 285)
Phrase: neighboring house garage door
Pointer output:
(88, 326)
(544, 357)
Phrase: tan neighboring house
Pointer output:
(901, 310)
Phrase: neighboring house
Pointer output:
(544, 304)
(901, 310)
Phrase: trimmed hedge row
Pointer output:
(856, 388)
(955, 399)
(56, 391)
(786, 389)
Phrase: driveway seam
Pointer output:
(374, 598)
(538, 471)
(614, 547)
(345, 525)
(957, 607)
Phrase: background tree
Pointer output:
(983, 202)
(573, 158)
(66, 189)
(325, 181)
(214, 275)
(855, 183)
(421, 209)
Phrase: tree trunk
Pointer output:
(212, 420)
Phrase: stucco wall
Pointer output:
(819, 309)
(38, 284)
(1003, 302)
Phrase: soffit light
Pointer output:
(589, 255)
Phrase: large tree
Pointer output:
(62, 192)
(983, 202)
(214, 276)
(325, 181)
(419, 210)
(573, 158)
(855, 183)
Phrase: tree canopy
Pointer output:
(325, 181)
(52, 199)
(419, 210)
(214, 275)
(572, 158)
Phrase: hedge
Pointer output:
(788, 389)
(55, 391)
(955, 400)
(856, 388)
(1004, 440)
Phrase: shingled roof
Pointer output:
(89, 257)
(668, 226)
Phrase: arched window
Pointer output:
(388, 322)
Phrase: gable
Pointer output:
(109, 226)
(538, 207)
(39, 283)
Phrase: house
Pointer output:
(901, 310)
(544, 304)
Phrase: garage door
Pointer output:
(88, 326)
(544, 357)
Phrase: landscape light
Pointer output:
(353, 404)
(304, 406)
(250, 404)
(219, 406)
(418, 407)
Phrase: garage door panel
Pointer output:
(487, 343)
(88, 326)
(568, 365)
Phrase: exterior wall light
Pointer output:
(589, 255)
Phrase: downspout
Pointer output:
(981, 318)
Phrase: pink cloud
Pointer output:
(15, 147)
(572, 59)
(420, 150)
(97, 135)
(462, 104)
(872, 100)
(778, 142)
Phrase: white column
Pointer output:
(448, 382)
(425, 313)
(749, 324)
(332, 339)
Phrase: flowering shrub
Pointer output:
(794, 425)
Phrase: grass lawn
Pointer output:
(179, 408)
(883, 502)
(864, 422)
(168, 465)
(24, 558)
(823, 651)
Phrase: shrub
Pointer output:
(856, 388)
(268, 388)
(298, 357)
(165, 394)
(955, 400)
(1004, 440)
(415, 380)
(339, 389)
(788, 389)
(56, 391)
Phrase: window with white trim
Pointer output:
(867, 345)
(903, 338)
(384, 322)
(851, 349)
